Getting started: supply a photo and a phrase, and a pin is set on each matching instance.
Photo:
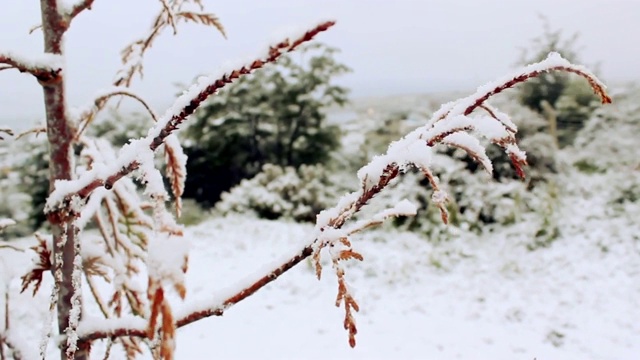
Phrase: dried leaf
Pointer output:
(176, 171)
(156, 297)
(43, 263)
(207, 19)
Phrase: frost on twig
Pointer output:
(87, 113)
(132, 56)
(70, 11)
(455, 124)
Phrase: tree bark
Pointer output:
(60, 134)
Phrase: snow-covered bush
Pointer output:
(604, 143)
(503, 201)
(139, 250)
(276, 116)
(24, 183)
(566, 101)
(282, 192)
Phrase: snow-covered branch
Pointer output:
(133, 326)
(453, 125)
(129, 157)
(169, 15)
(88, 112)
(73, 10)
(45, 67)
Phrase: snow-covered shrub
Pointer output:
(282, 192)
(503, 201)
(609, 140)
(25, 182)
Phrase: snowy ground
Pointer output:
(486, 298)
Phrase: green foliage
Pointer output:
(587, 167)
(549, 230)
(275, 116)
(34, 172)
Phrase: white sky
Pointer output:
(394, 47)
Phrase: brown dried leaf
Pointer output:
(95, 266)
(167, 343)
(131, 347)
(444, 214)
(176, 171)
(350, 254)
(517, 164)
(316, 263)
(43, 264)
(207, 19)
(157, 300)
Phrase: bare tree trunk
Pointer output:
(60, 134)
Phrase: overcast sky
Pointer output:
(394, 47)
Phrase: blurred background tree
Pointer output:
(275, 116)
(563, 99)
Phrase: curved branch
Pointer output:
(98, 104)
(183, 107)
(596, 85)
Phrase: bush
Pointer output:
(282, 192)
(275, 116)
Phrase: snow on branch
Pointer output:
(70, 11)
(553, 62)
(129, 159)
(45, 67)
(455, 124)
